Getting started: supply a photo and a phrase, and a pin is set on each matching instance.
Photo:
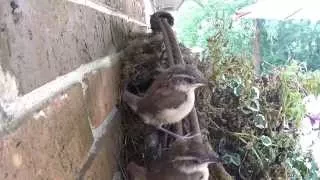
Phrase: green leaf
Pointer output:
(260, 122)
(235, 83)
(255, 93)
(233, 158)
(296, 173)
(245, 110)
(266, 140)
(237, 91)
(253, 105)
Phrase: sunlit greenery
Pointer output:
(292, 92)
(261, 142)
(196, 24)
(270, 110)
(281, 41)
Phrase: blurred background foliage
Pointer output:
(269, 108)
(281, 41)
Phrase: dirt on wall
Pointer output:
(42, 39)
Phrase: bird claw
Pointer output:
(187, 136)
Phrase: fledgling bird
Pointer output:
(169, 99)
(136, 172)
(185, 160)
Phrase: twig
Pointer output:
(192, 117)
(239, 169)
(174, 43)
(254, 151)
(292, 14)
(166, 41)
(179, 5)
(244, 135)
(170, 47)
(195, 127)
(258, 157)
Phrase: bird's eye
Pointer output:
(189, 80)
(196, 161)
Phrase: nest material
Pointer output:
(138, 71)
(218, 112)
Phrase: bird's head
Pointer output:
(191, 156)
(185, 77)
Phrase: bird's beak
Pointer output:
(203, 82)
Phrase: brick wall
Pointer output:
(53, 141)
(43, 39)
(40, 41)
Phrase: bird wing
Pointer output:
(161, 98)
(131, 99)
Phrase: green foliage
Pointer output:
(311, 82)
(197, 24)
(284, 40)
(302, 166)
(266, 141)
(292, 93)
(263, 106)
(281, 41)
(260, 143)
(296, 83)
(232, 158)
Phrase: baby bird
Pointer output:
(185, 160)
(169, 99)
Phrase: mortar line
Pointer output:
(99, 136)
(34, 100)
(107, 10)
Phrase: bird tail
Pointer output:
(136, 172)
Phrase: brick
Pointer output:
(107, 161)
(49, 144)
(102, 93)
(101, 96)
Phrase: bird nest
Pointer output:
(138, 70)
